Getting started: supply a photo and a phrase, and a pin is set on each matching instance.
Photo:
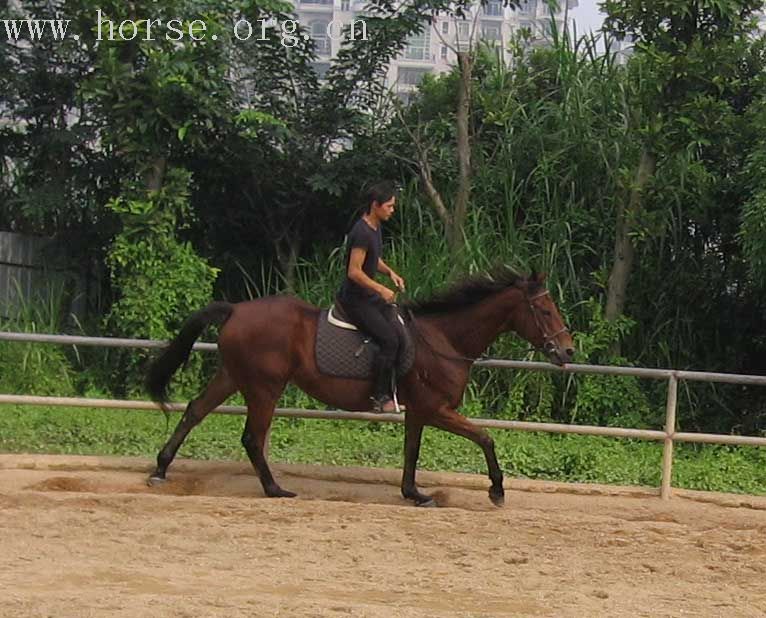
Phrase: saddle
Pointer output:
(343, 351)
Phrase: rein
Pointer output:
(419, 335)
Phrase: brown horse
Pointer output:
(264, 344)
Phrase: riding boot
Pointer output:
(382, 380)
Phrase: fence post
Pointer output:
(670, 429)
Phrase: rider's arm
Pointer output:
(384, 268)
(390, 273)
(358, 276)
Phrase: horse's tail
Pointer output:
(177, 353)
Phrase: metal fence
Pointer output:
(668, 436)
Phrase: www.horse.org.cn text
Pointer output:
(177, 29)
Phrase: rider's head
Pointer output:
(381, 198)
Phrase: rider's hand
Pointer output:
(388, 295)
(398, 281)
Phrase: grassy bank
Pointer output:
(26, 429)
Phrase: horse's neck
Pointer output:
(472, 330)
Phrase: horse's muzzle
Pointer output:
(559, 356)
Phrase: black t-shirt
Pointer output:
(364, 237)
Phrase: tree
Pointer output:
(686, 57)
(155, 100)
(45, 132)
(452, 211)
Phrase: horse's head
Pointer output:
(540, 322)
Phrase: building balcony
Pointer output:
(417, 55)
(493, 10)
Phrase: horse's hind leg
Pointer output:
(260, 410)
(220, 388)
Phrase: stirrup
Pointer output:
(386, 405)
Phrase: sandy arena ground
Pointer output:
(84, 536)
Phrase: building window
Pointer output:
(320, 68)
(345, 5)
(410, 76)
(444, 52)
(528, 7)
(445, 27)
(463, 30)
(319, 35)
(490, 31)
(419, 46)
(494, 8)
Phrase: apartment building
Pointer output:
(433, 51)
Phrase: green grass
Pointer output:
(26, 429)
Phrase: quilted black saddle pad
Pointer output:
(346, 353)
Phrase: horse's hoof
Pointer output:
(278, 492)
(428, 502)
(156, 481)
(418, 498)
(497, 499)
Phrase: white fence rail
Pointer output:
(668, 436)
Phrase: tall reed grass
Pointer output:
(35, 368)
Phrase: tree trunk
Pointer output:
(292, 263)
(624, 251)
(463, 194)
(287, 249)
(156, 174)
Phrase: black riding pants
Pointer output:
(376, 318)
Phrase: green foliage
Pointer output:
(54, 179)
(753, 236)
(752, 232)
(33, 368)
(159, 279)
(159, 96)
(608, 400)
(155, 100)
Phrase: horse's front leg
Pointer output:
(413, 432)
(450, 420)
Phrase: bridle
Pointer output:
(549, 345)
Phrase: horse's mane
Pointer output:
(470, 291)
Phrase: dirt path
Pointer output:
(85, 537)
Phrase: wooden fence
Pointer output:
(28, 267)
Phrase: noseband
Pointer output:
(548, 340)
